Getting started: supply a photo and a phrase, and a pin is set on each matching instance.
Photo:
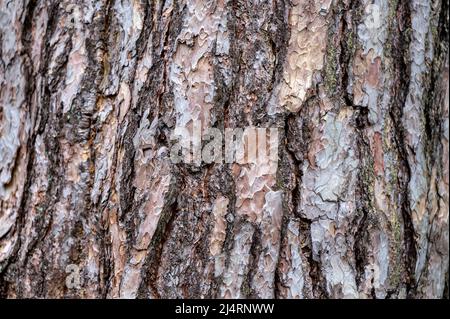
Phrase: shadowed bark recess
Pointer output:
(354, 204)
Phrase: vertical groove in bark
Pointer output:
(400, 54)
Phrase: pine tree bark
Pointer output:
(91, 92)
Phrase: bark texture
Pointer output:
(91, 92)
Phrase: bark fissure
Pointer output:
(401, 41)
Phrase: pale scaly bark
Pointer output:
(92, 91)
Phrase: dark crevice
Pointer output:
(43, 221)
(27, 27)
(365, 216)
(433, 104)
(298, 130)
(346, 50)
(289, 178)
(158, 102)
(255, 253)
(401, 73)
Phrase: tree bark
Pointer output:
(92, 91)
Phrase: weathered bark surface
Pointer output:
(91, 92)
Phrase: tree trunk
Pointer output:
(93, 206)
